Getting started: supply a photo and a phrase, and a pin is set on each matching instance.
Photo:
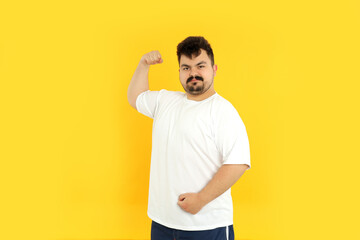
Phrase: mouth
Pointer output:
(194, 80)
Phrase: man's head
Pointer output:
(196, 61)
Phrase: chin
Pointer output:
(196, 92)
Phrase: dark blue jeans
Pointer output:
(160, 232)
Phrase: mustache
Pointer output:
(196, 77)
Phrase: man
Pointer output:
(200, 147)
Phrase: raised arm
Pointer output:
(139, 82)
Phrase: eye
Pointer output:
(201, 66)
(185, 68)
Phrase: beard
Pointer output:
(196, 88)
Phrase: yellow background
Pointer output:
(75, 156)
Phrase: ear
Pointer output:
(215, 69)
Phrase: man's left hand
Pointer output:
(191, 202)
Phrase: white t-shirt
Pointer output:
(190, 142)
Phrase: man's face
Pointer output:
(197, 74)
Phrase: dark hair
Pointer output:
(191, 46)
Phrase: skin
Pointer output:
(199, 66)
(228, 174)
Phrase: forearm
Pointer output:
(226, 176)
(139, 82)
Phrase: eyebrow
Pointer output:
(185, 65)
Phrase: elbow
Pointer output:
(132, 97)
(132, 100)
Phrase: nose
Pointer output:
(193, 72)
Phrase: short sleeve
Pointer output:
(231, 137)
(147, 103)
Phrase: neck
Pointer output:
(203, 96)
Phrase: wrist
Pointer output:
(204, 199)
(143, 64)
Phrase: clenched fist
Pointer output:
(151, 58)
(191, 202)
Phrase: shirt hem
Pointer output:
(189, 228)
